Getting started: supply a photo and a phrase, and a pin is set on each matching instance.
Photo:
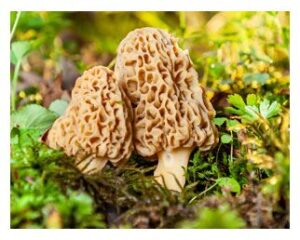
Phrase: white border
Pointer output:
(148, 5)
(4, 116)
(295, 119)
(152, 5)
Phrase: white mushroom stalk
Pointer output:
(172, 115)
(171, 168)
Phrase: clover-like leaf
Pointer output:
(219, 121)
(19, 50)
(237, 101)
(268, 110)
(251, 113)
(251, 99)
(225, 138)
(230, 183)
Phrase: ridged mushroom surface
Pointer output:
(96, 126)
(170, 108)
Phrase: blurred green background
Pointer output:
(244, 182)
(232, 51)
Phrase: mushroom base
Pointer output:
(171, 168)
(91, 164)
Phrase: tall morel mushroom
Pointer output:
(172, 115)
(96, 126)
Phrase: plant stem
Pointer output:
(202, 193)
(112, 63)
(15, 25)
(14, 86)
(231, 147)
(17, 67)
(217, 158)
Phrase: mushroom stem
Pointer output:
(91, 164)
(171, 168)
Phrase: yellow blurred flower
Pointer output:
(233, 75)
(30, 34)
(240, 83)
(22, 94)
(254, 84)
(261, 66)
(31, 97)
(277, 75)
(239, 71)
(210, 94)
(273, 180)
(224, 87)
(38, 97)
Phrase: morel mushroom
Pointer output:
(172, 115)
(96, 126)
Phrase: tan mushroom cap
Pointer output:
(96, 126)
(170, 108)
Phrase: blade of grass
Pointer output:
(15, 25)
(14, 86)
(202, 193)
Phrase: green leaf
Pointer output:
(219, 121)
(252, 112)
(19, 50)
(267, 110)
(273, 110)
(58, 106)
(216, 70)
(237, 101)
(226, 139)
(230, 183)
(23, 136)
(251, 99)
(233, 125)
(261, 78)
(33, 116)
(234, 111)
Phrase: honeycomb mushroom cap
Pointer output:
(96, 124)
(170, 108)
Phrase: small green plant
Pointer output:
(220, 217)
(265, 137)
(38, 199)
(253, 110)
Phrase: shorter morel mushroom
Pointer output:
(96, 127)
(172, 115)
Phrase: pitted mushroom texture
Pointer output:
(170, 108)
(97, 122)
